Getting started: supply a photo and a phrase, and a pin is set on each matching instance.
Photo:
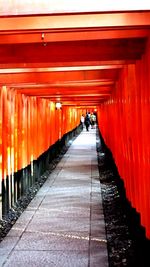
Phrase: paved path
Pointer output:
(63, 225)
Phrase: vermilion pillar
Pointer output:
(124, 122)
(29, 126)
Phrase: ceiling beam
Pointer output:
(58, 69)
(64, 64)
(74, 78)
(81, 51)
(64, 36)
(74, 21)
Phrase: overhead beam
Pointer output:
(67, 94)
(58, 69)
(72, 97)
(59, 78)
(94, 87)
(74, 35)
(98, 50)
(64, 64)
(74, 21)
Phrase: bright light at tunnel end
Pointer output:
(58, 105)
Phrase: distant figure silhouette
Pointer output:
(87, 121)
(82, 121)
(93, 120)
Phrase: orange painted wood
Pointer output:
(124, 121)
(73, 21)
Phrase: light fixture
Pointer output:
(58, 105)
(42, 36)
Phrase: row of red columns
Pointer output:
(124, 121)
(28, 127)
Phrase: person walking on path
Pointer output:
(82, 121)
(93, 120)
(87, 121)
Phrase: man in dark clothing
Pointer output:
(87, 121)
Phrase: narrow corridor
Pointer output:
(64, 224)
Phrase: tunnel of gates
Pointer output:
(29, 126)
(104, 67)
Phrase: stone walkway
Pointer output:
(63, 226)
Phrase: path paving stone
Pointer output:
(63, 226)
